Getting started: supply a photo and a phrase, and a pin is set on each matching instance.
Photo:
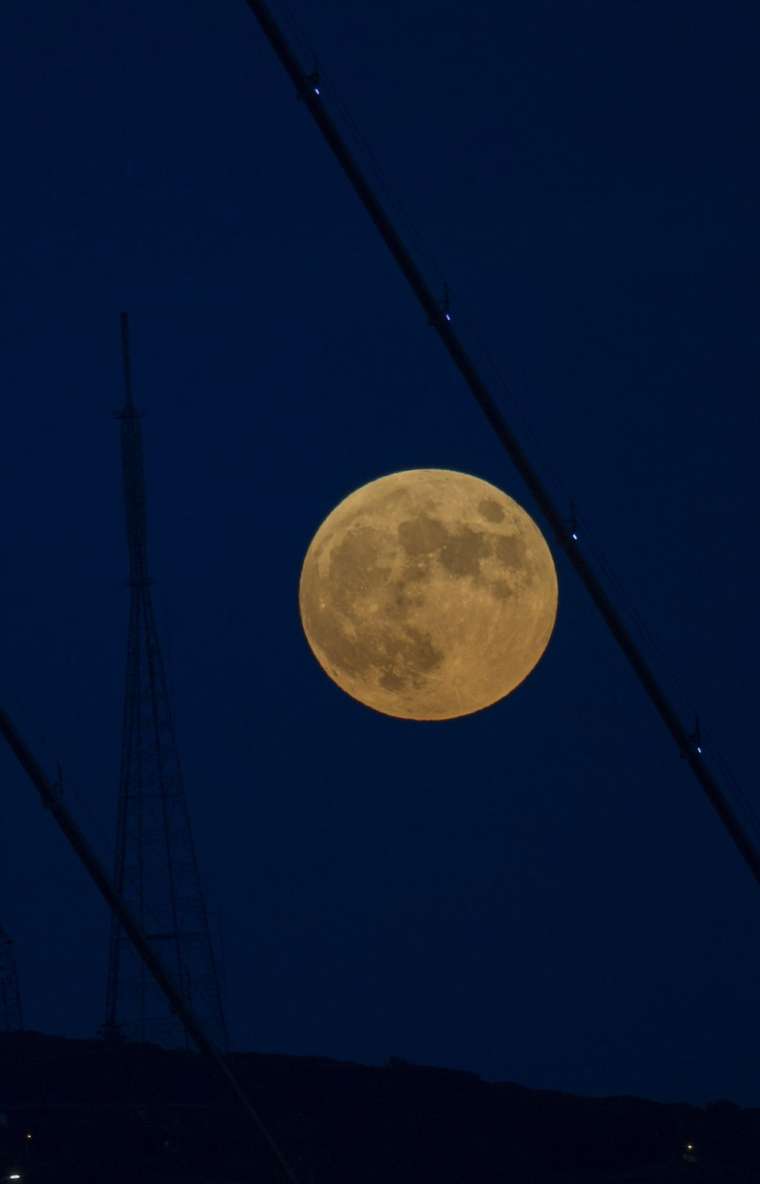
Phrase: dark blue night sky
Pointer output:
(539, 893)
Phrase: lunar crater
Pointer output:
(422, 535)
(491, 510)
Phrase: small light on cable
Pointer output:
(447, 316)
(316, 90)
(574, 537)
(699, 749)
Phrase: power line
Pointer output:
(310, 91)
(51, 800)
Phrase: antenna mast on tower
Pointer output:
(11, 1019)
(156, 872)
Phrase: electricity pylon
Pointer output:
(156, 871)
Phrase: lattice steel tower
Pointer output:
(156, 871)
(10, 997)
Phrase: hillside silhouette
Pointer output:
(74, 1110)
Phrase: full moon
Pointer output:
(428, 594)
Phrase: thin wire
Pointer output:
(298, 35)
(751, 813)
(514, 400)
(364, 151)
(649, 640)
(153, 963)
(439, 318)
(331, 95)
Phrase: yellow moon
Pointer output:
(428, 594)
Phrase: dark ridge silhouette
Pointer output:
(77, 1110)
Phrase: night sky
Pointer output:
(539, 892)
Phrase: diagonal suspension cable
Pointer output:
(309, 91)
(51, 800)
